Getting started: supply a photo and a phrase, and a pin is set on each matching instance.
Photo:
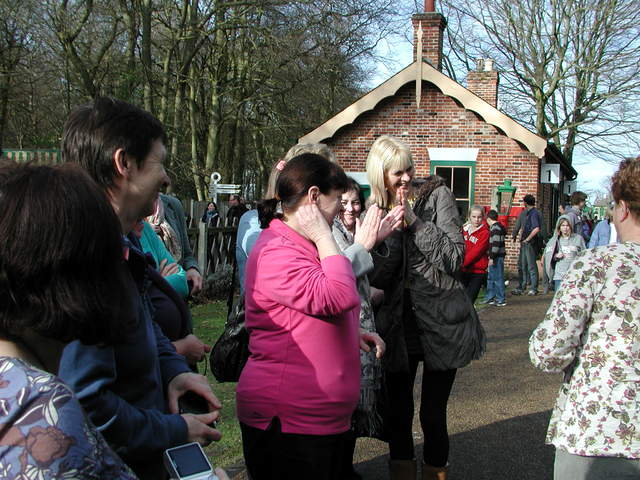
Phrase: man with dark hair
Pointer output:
(578, 200)
(530, 223)
(130, 390)
(236, 209)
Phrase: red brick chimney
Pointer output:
(483, 81)
(433, 25)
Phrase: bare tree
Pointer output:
(235, 82)
(569, 68)
(14, 45)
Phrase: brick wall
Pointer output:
(442, 122)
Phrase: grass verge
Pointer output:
(208, 323)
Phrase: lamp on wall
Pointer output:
(505, 194)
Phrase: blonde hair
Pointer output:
(317, 148)
(298, 149)
(386, 153)
(475, 208)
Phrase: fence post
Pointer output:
(202, 248)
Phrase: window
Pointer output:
(459, 180)
(458, 168)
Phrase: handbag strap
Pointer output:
(232, 290)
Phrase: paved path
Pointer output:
(499, 408)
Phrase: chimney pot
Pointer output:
(483, 81)
(429, 5)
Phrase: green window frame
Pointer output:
(457, 166)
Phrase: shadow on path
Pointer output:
(499, 451)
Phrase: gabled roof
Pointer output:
(534, 143)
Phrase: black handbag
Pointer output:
(231, 351)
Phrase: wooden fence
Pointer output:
(213, 246)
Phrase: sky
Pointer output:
(592, 172)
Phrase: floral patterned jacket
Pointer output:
(591, 332)
(44, 433)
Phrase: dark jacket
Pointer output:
(527, 221)
(431, 253)
(496, 241)
(122, 387)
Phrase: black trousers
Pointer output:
(272, 455)
(473, 283)
(436, 388)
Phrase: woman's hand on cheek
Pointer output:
(312, 223)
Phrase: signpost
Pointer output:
(216, 188)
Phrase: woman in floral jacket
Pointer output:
(591, 333)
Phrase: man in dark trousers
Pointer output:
(130, 391)
(530, 224)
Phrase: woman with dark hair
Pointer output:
(356, 239)
(590, 333)
(300, 386)
(61, 278)
(210, 216)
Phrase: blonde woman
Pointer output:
(426, 316)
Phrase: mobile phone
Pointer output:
(191, 402)
(188, 462)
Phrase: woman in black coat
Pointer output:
(426, 315)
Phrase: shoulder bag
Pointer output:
(231, 351)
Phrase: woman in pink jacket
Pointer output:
(301, 384)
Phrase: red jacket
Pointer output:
(476, 255)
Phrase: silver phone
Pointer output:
(188, 462)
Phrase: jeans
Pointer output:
(523, 273)
(495, 281)
(556, 284)
(575, 467)
(527, 259)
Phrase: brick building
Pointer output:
(453, 131)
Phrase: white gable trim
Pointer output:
(468, 99)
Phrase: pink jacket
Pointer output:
(302, 316)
